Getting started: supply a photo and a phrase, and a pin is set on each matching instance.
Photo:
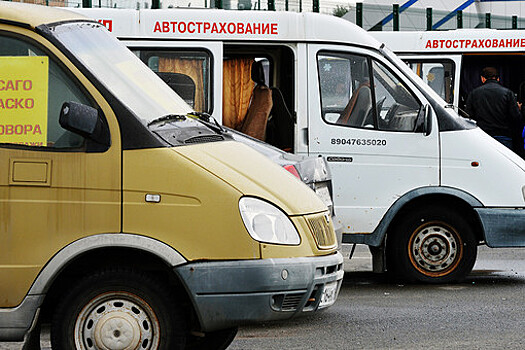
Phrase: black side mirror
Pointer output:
(85, 121)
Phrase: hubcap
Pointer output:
(116, 321)
(435, 249)
(117, 330)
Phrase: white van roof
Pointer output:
(214, 24)
(459, 40)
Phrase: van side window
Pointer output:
(186, 72)
(32, 90)
(357, 91)
(438, 74)
(397, 108)
(346, 96)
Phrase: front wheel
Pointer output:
(118, 309)
(431, 245)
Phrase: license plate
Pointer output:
(329, 294)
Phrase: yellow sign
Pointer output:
(23, 100)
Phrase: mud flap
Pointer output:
(378, 258)
(32, 337)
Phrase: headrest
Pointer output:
(360, 70)
(258, 73)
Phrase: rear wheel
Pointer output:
(431, 245)
(118, 309)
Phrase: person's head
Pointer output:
(489, 73)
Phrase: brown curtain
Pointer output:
(237, 90)
(191, 68)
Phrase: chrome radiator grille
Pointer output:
(322, 229)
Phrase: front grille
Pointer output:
(322, 230)
(204, 139)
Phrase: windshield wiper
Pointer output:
(207, 119)
(167, 117)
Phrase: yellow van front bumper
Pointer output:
(229, 293)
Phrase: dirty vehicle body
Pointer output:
(412, 179)
(125, 219)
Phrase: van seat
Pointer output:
(255, 122)
(281, 123)
(358, 107)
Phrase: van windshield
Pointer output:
(121, 72)
(448, 119)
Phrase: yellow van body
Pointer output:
(117, 210)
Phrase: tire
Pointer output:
(431, 245)
(118, 309)
(218, 340)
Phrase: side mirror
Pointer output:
(427, 121)
(85, 121)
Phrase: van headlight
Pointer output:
(267, 223)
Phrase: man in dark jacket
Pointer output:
(494, 107)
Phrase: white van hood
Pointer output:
(474, 162)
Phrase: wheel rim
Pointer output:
(117, 321)
(435, 249)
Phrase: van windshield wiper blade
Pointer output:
(208, 120)
(167, 118)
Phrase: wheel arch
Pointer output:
(102, 251)
(445, 196)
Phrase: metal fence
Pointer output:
(388, 18)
